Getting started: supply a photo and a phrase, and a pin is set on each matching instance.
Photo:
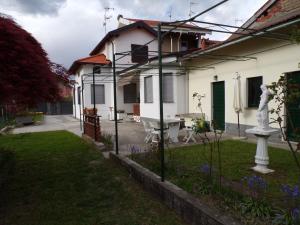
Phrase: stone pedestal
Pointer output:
(262, 156)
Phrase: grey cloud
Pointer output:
(36, 7)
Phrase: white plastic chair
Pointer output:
(190, 134)
(148, 131)
(156, 132)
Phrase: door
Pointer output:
(219, 104)
(293, 119)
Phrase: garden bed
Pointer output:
(252, 198)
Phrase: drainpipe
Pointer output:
(178, 49)
(171, 42)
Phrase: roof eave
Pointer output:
(239, 39)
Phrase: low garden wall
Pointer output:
(191, 209)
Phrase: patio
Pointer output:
(133, 133)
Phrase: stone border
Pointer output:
(189, 208)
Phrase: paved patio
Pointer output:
(51, 123)
(130, 133)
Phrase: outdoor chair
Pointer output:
(148, 131)
(190, 134)
(156, 133)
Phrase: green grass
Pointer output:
(183, 166)
(59, 179)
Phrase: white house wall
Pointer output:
(179, 106)
(270, 65)
(103, 109)
(137, 36)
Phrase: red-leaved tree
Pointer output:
(25, 75)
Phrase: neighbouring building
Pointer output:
(64, 106)
(261, 55)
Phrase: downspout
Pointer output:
(187, 107)
(171, 43)
(74, 100)
(178, 48)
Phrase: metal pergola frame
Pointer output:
(160, 54)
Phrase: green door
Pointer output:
(293, 109)
(219, 104)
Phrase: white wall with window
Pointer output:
(103, 91)
(174, 93)
(265, 68)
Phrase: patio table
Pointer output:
(173, 126)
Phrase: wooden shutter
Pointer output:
(99, 93)
(148, 86)
(130, 95)
(139, 53)
(79, 95)
(168, 89)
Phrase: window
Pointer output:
(168, 91)
(130, 94)
(97, 69)
(139, 53)
(99, 93)
(78, 95)
(148, 89)
(184, 46)
(254, 91)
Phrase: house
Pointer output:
(259, 54)
(128, 42)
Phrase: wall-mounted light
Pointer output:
(215, 77)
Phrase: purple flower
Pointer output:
(255, 182)
(135, 149)
(295, 214)
(291, 191)
(205, 168)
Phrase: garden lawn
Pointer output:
(237, 157)
(59, 179)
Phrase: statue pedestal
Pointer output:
(262, 157)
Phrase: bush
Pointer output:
(201, 126)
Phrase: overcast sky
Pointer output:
(70, 29)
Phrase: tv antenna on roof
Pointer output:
(236, 21)
(106, 17)
(170, 13)
(191, 4)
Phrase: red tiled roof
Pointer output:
(271, 13)
(99, 59)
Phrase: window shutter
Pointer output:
(148, 86)
(168, 89)
(99, 93)
(78, 95)
(130, 95)
(139, 53)
(97, 69)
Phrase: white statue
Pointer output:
(262, 132)
(263, 109)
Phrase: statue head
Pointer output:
(263, 87)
